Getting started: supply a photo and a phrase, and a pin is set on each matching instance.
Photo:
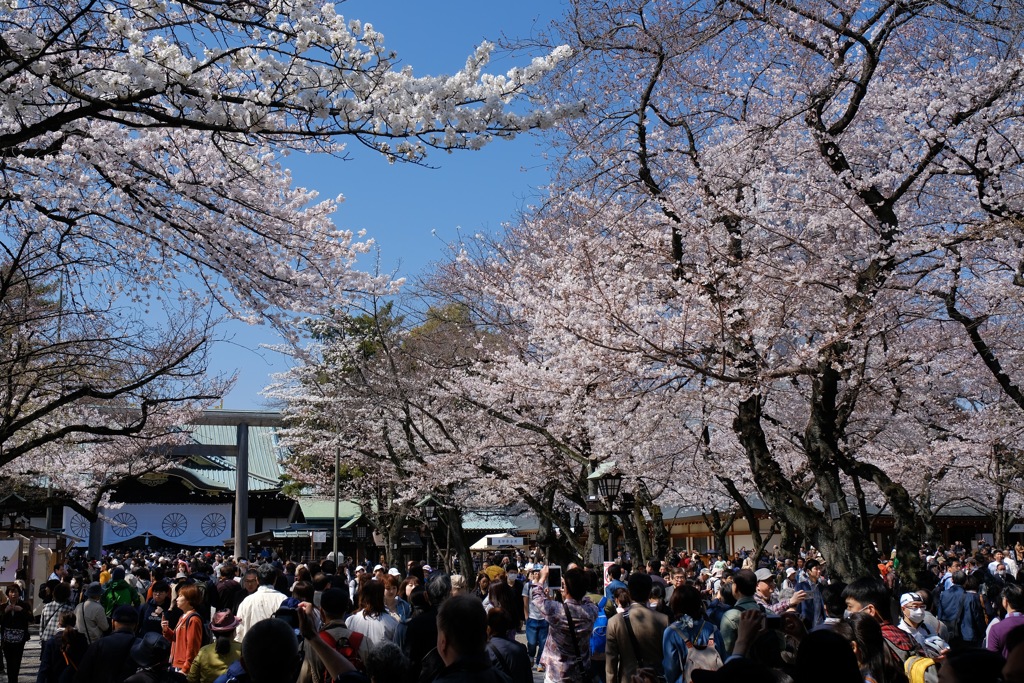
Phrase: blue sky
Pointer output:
(412, 212)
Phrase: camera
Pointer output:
(554, 577)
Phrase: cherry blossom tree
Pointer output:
(795, 217)
(365, 387)
(143, 194)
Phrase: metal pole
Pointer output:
(337, 487)
(242, 493)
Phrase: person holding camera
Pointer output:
(570, 620)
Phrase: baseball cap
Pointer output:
(394, 572)
(764, 575)
(377, 567)
(908, 598)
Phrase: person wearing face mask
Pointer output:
(912, 621)
(869, 595)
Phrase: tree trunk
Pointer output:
(631, 536)
(1000, 519)
(660, 537)
(458, 545)
(791, 539)
(719, 527)
(392, 530)
(850, 553)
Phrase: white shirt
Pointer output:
(256, 607)
(375, 628)
(1011, 566)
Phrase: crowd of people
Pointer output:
(205, 618)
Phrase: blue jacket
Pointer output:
(812, 610)
(613, 585)
(949, 606)
(673, 644)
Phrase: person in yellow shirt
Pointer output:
(215, 658)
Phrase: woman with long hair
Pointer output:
(187, 636)
(372, 619)
(63, 652)
(500, 594)
(876, 664)
(406, 588)
(483, 585)
(215, 658)
(14, 620)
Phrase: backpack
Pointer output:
(700, 655)
(207, 633)
(347, 646)
(599, 636)
(921, 669)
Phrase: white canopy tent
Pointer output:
(497, 542)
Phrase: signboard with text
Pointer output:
(498, 541)
(10, 556)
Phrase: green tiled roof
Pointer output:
(316, 508)
(476, 520)
(218, 471)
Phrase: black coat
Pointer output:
(472, 670)
(51, 660)
(511, 657)
(108, 660)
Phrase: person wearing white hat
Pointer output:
(790, 580)
(353, 584)
(912, 621)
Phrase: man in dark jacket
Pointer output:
(158, 608)
(950, 609)
(229, 592)
(108, 660)
(812, 610)
(418, 636)
(462, 643)
(506, 654)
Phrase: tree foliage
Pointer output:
(143, 195)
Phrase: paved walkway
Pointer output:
(30, 660)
